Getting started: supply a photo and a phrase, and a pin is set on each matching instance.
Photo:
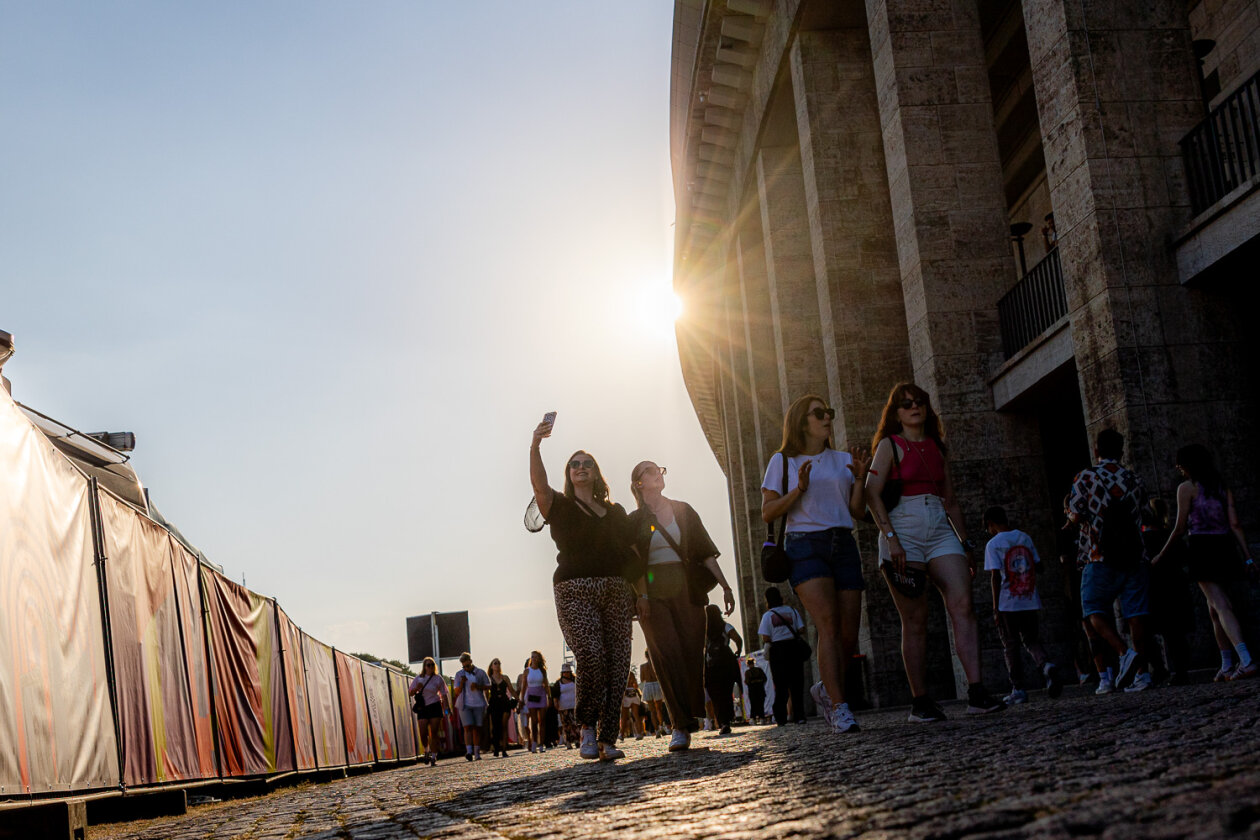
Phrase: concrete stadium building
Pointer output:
(1045, 212)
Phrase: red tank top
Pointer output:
(922, 469)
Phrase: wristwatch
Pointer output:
(890, 534)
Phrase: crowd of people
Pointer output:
(657, 564)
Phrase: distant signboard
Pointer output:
(449, 629)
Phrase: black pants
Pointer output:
(757, 700)
(498, 731)
(719, 680)
(787, 670)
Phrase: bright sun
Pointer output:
(658, 306)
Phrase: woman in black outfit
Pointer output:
(502, 702)
(594, 604)
(721, 668)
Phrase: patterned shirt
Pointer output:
(1092, 488)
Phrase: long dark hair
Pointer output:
(714, 624)
(1197, 461)
(599, 491)
(542, 662)
(794, 425)
(889, 424)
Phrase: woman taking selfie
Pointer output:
(819, 490)
(681, 568)
(593, 601)
(923, 538)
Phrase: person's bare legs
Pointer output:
(953, 578)
(1224, 615)
(913, 613)
(818, 596)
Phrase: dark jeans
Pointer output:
(787, 670)
(720, 677)
(757, 700)
(498, 727)
(674, 630)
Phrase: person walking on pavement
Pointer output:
(819, 490)
(1205, 508)
(652, 695)
(432, 705)
(566, 703)
(470, 698)
(1106, 503)
(755, 679)
(537, 693)
(502, 702)
(923, 537)
(594, 603)
(1012, 561)
(721, 667)
(781, 630)
(681, 567)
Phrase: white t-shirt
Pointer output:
(826, 503)
(777, 623)
(471, 684)
(1013, 554)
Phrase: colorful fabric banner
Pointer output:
(56, 719)
(151, 685)
(380, 712)
(321, 688)
(249, 697)
(404, 719)
(196, 667)
(354, 712)
(296, 694)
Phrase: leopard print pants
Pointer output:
(595, 616)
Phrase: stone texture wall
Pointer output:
(1235, 27)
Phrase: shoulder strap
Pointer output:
(782, 529)
(791, 625)
(586, 508)
(658, 528)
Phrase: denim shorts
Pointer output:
(922, 529)
(472, 716)
(831, 553)
(1102, 584)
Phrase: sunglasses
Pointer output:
(642, 473)
(909, 404)
(585, 463)
(822, 413)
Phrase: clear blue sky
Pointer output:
(331, 262)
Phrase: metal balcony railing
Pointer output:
(1035, 302)
(1223, 151)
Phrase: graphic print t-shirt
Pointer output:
(1013, 554)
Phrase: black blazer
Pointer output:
(694, 540)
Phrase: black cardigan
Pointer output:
(694, 540)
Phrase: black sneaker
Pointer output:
(925, 710)
(1054, 685)
(981, 702)
(468, 756)
(725, 730)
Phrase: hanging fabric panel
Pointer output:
(354, 713)
(321, 687)
(296, 693)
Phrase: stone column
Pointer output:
(790, 273)
(1165, 364)
(950, 218)
(857, 279)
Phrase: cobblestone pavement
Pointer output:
(1171, 762)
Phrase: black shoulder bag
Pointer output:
(700, 581)
(775, 564)
(802, 646)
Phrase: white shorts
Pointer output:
(922, 529)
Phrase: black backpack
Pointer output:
(1120, 539)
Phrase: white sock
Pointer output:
(1111, 674)
(468, 749)
(1244, 655)
(1227, 660)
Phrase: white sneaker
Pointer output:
(821, 699)
(609, 752)
(842, 719)
(1017, 696)
(1129, 662)
(589, 748)
(680, 741)
(1104, 686)
(708, 725)
(1140, 683)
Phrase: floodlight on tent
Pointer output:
(122, 441)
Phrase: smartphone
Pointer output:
(550, 418)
